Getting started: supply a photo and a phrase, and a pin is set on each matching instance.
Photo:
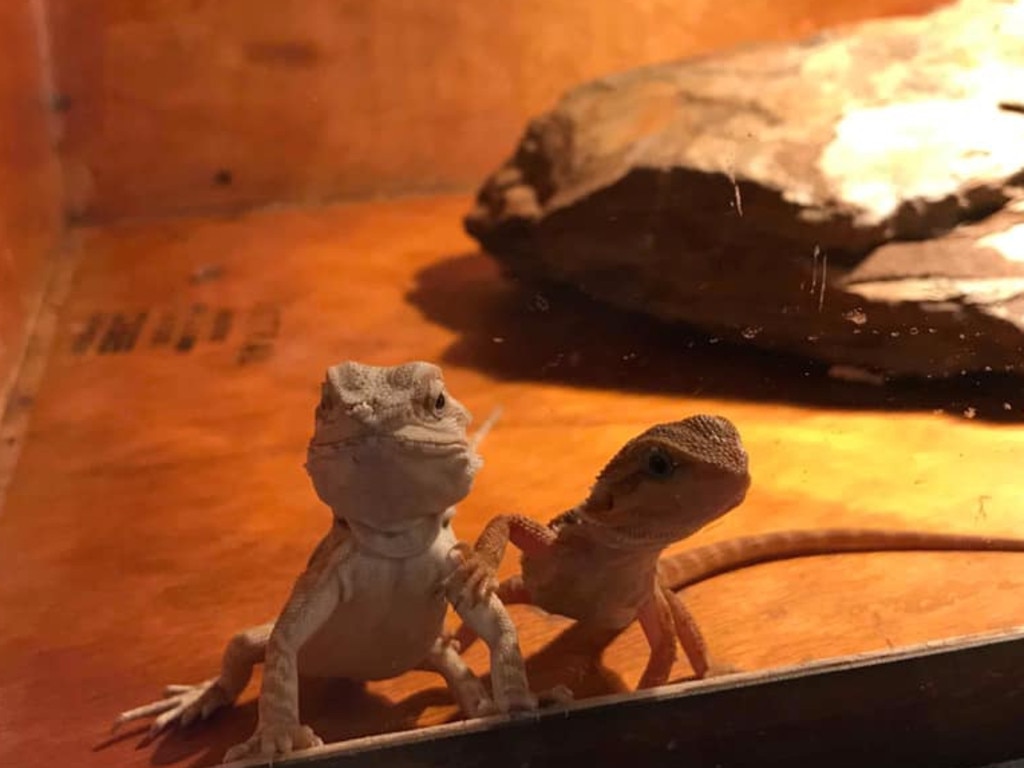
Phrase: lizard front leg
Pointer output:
(467, 689)
(186, 703)
(510, 592)
(477, 575)
(478, 572)
(314, 598)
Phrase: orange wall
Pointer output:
(30, 217)
(180, 105)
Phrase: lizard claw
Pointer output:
(511, 692)
(474, 579)
(523, 701)
(181, 704)
(449, 640)
(717, 669)
(274, 741)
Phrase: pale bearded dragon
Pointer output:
(390, 456)
(600, 563)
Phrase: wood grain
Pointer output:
(222, 105)
(30, 205)
(160, 502)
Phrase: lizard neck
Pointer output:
(591, 576)
(578, 524)
(399, 542)
(384, 484)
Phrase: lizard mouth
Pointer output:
(632, 536)
(411, 443)
(432, 447)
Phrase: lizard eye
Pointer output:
(659, 464)
(439, 403)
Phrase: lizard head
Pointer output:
(389, 443)
(668, 482)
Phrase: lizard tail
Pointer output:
(687, 568)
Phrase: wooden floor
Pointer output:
(160, 503)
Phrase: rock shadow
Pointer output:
(516, 331)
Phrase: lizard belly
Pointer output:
(393, 612)
(581, 587)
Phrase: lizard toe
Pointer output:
(274, 741)
(720, 669)
(521, 701)
(559, 695)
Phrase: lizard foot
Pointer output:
(517, 700)
(509, 704)
(526, 702)
(181, 704)
(557, 696)
(719, 669)
(472, 697)
(482, 706)
(475, 577)
(274, 741)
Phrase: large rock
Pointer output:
(856, 197)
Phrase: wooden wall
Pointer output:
(29, 180)
(173, 106)
(176, 105)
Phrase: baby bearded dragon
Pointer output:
(598, 562)
(390, 456)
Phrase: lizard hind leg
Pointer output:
(656, 621)
(694, 645)
(187, 703)
(686, 629)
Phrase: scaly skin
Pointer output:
(598, 563)
(687, 568)
(390, 456)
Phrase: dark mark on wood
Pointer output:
(292, 53)
(190, 332)
(81, 342)
(122, 333)
(110, 339)
(263, 327)
(115, 332)
(254, 352)
(221, 325)
(164, 331)
(133, 330)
